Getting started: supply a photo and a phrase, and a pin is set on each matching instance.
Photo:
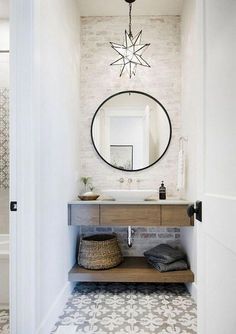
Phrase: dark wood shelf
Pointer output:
(133, 269)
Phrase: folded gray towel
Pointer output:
(165, 254)
(177, 265)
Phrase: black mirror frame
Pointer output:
(137, 92)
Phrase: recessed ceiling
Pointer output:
(4, 9)
(120, 7)
(117, 7)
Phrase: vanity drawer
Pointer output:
(84, 214)
(134, 215)
(175, 215)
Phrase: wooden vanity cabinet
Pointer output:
(132, 269)
(175, 215)
(84, 214)
(129, 215)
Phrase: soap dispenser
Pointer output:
(162, 191)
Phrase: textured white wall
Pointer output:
(189, 120)
(4, 83)
(59, 142)
(144, 237)
(99, 80)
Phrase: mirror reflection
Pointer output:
(131, 131)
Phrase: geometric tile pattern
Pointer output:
(4, 322)
(123, 308)
(4, 138)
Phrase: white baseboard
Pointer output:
(55, 310)
(192, 289)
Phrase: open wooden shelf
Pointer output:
(133, 269)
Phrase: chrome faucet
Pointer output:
(130, 234)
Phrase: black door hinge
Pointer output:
(13, 206)
(197, 210)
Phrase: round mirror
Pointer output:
(131, 131)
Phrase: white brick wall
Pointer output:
(99, 80)
(144, 237)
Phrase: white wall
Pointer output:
(4, 57)
(189, 120)
(59, 143)
(4, 83)
(131, 134)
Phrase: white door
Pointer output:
(24, 148)
(217, 232)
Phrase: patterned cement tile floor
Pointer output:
(114, 308)
(4, 321)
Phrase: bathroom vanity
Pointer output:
(144, 140)
(117, 213)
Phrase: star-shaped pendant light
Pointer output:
(131, 52)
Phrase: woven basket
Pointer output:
(99, 251)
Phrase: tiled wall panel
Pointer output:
(162, 80)
(4, 138)
(144, 237)
(100, 80)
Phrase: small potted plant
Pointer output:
(87, 194)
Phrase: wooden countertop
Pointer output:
(157, 202)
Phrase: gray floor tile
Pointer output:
(119, 308)
(4, 321)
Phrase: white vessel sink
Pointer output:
(129, 195)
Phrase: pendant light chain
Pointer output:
(130, 21)
(131, 51)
